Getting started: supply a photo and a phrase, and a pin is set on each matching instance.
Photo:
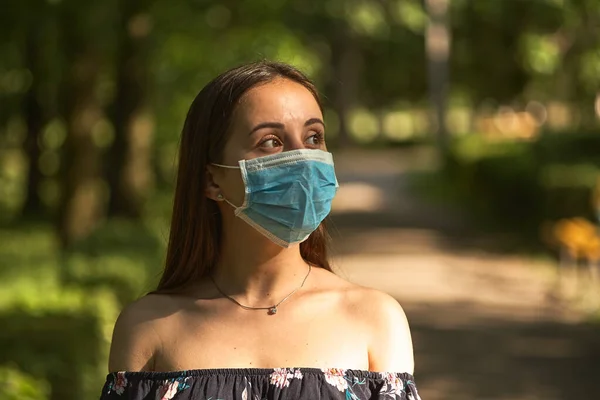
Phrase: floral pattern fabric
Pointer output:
(260, 384)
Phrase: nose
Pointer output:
(294, 141)
(295, 146)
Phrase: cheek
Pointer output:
(232, 153)
(237, 150)
(232, 186)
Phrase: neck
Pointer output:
(254, 270)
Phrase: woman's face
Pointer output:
(281, 115)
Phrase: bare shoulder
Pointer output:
(390, 343)
(377, 305)
(135, 340)
(364, 302)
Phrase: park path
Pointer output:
(485, 325)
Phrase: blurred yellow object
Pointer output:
(579, 237)
(579, 241)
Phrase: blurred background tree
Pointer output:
(94, 94)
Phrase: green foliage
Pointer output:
(570, 147)
(15, 385)
(58, 309)
(56, 324)
(122, 256)
(517, 186)
(65, 347)
(541, 53)
(367, 19)
(12, 190)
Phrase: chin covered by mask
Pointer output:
(287, 195)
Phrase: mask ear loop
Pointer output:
(222, 198)
(226, 166)
(220, 195)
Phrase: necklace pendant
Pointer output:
(272, 310)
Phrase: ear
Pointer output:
(212, 189)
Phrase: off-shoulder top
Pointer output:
(260, 384)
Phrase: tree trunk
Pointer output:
(347, 70)
(130, 173)
(81, 202)
(438, 53)
(34, 115)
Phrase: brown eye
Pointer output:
(315, 140)
(270, 143)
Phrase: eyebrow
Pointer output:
(275, 125)
(279, 125)
(314, 121)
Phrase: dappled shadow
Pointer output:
(482, 326)
(400, 208)
(393, 189)
(503, 359)
(390, 233)
(438, 221)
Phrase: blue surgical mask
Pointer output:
(287, 194)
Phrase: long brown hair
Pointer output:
(195, 237)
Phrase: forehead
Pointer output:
(277, 101)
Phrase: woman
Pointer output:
(247, 307)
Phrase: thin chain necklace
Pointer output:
(270, 310)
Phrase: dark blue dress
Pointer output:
(260, 384)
